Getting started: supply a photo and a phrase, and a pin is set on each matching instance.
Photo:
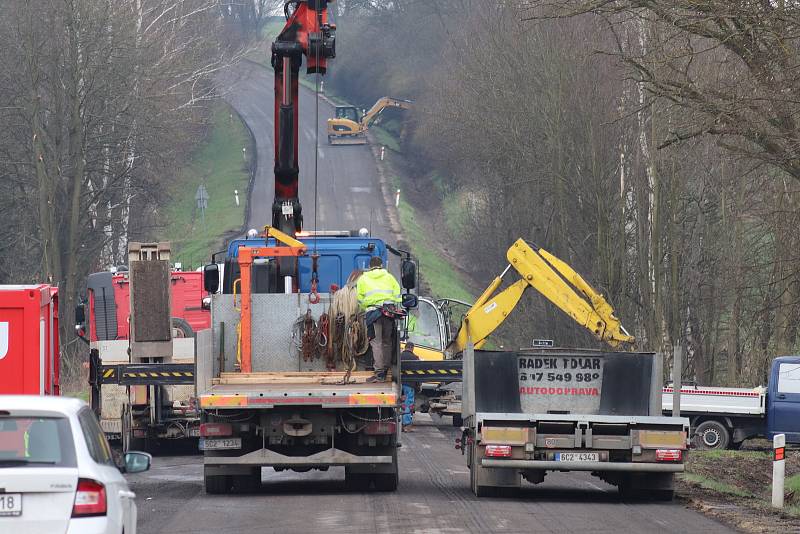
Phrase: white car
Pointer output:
(57, 473)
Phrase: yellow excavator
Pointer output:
(349, 127)
(429, 325)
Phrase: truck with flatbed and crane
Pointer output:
(281, 374)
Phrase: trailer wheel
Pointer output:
(458, 420)
(711, 435)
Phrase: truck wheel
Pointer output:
(249, 483)
(130, 443)
(711, 435)
(387, 481)
(458, 420)
(356, 481)
(183, 327)
(216, 484)
(479, 491)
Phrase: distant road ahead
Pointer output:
(349, 192)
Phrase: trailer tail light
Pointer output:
(90, 499)
(213, 430)
(669, 455)
(498, 451)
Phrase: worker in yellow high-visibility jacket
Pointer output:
(375, 288)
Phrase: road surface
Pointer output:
(433, 497)
(434, 494)
(349, 195)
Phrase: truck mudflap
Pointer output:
(640, 467)
(329, 457)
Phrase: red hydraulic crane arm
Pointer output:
(307, 33)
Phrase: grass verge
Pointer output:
(715, 485)
(436, 273)
(219, 165)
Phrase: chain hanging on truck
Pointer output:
(308, 339)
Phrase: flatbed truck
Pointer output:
(724, 417)
(531, 412)
(270, 405)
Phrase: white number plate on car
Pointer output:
(217, 444)
(10, 504)
(577, 457)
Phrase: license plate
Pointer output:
(10, 504)
(194, 432)
(577, 457)
(217, 444)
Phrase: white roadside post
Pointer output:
(778, 469)
(397, 199)
(244, 153)
(236, 196)
(383, 152)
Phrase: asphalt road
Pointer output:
(349, 195)
(434, 494)
(433, 497)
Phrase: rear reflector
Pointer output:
(669, 455)
(208, 430)
(90, 499)
(498, 451)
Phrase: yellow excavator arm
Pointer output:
(557, 282)
(380, 105)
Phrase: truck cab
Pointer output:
(339, 256)
(783, 399)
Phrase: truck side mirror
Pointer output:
(410, 301)
(211, 278)
(408, 274)
(80, 315)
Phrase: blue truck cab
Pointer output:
(338, 258)
(783, 398)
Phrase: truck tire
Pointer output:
(711, 435)
(479, 491)
(458, 420)
(387, 481)
(130, 443)
(358, 482)
(250, 483)
(183, 327)
(216, 484)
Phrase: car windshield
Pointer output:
(36, 442)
